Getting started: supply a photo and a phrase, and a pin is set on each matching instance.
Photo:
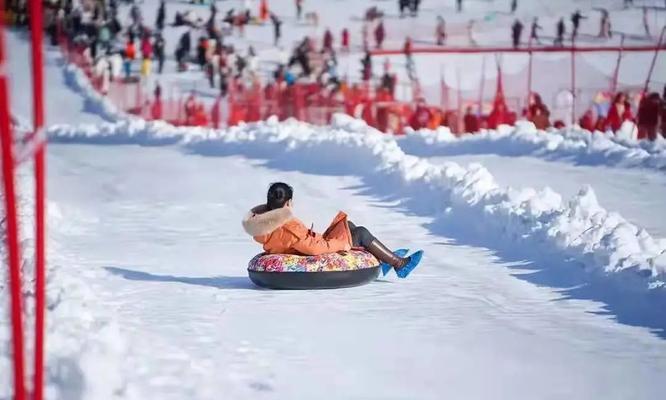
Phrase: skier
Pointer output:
(277, 29)
(559, 38)
(274, 225)
(345, 40)
(263, 10)
(158, 48)
(440, 31)
(575, 20)
(516, 32)
(534, 30)
(514, 6)
(380, 34)
(161, 16)
(648, 116)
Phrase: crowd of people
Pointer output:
(136, 48)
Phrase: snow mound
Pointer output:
(575, 144)
(85, 348)
(579, 229)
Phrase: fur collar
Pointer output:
(259, 222)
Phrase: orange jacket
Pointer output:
(281, 233)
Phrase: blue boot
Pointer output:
(386, 268)
(413, 262)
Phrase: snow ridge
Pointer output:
(575, 144)
(579, 229)
(85, 348)
(98, 103)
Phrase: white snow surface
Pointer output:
(570, 144)
(600, 240)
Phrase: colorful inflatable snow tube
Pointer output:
(326, 271)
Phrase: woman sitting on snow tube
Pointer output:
(280, 232)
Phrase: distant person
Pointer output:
(604, 24)
(459, 5)
(147, 55)
(663, 113)
(161, 16)
(403, 5)
(328, 41)
(516, 33)
(380, 34)
(560, 31)
(647, 117)
(421, 116)
(538, 113)
(514, 6)
(158, 48)
(471, 121)
(646, 25)
(575, 20)
(534, 30)
(414, 7)
(345, 40)
(620, 111)
(440, 31)
(470, 33)
(299, 9)
(277, 29)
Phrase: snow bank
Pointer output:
(96, 103)
(573, 144)
(578, 229)
(84, 346)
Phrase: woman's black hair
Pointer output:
(279, 194)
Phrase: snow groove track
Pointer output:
(165, 224)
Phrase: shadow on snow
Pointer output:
(218, 282)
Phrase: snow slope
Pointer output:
(197, 327)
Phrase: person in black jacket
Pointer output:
(161, 16)
(516, 32)
(158, 48)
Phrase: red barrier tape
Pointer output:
(526, 50)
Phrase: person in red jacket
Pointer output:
(380, 34)
(345, 40)
(587, 121)
(421, 116)
(499, 115)
(619, 112)
(471, 121)
(328, 41)
(648, 116)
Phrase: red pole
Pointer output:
(40, 192)
(573, 80)
(13, 250)
(616, 73)
(654, 59)
(529, 73)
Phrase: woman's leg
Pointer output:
(361, 237)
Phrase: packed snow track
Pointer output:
(164, 225)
